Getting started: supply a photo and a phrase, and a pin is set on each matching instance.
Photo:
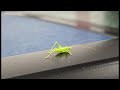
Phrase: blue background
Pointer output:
(22, 35)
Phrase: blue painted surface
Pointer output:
(22, 35)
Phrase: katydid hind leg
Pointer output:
(48, 54)
(52, 47)
(56, 43)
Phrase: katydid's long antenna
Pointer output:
(85, 45)
(84, 40)
(88, 47)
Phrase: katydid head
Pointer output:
(69, 48)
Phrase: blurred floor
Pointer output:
(91, 20)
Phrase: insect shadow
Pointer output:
(61, 55)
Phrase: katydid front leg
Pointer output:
(69, 52)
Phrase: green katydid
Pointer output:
(60, 49)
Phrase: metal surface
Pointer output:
(104, 69)
(35, 62)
